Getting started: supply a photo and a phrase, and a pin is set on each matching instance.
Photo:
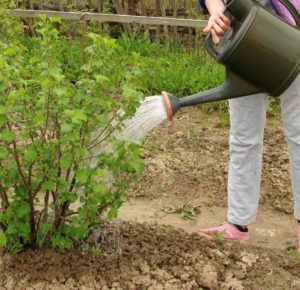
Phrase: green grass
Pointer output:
(174, 68)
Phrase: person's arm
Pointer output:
(218, 23)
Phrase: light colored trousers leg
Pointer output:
(247, 115)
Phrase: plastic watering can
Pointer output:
(260, 51)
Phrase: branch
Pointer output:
(103, 130)
(3, 196)
(3, 226)
(30, 173)
(38, 187)
(16, 157)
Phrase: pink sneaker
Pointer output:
(227, 232)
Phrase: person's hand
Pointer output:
(217, 25)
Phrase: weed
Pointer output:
(185, 210)
(217, 236)
(292, 251)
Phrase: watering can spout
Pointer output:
(233, 87)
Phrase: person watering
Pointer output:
(247, 120)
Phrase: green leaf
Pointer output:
(100, 188)
(7, 136)
(77, 116)
(3, 153)
(100, 173)
(136, 165)
(2, 110)
(61, 242)
(68, 196)
(11, 51)
(60, 91)
(101, 79)
(12, 229)
(66, 160)
(39, 118)
(23, 211)
(83, 175)
(113, 213)
(48, 185)
(21, 192)
(55, 20)
(43, 17)
(30, 154)
(3, 239)
(3, 120)
(65, 127)
(33, 60)
(129, 93)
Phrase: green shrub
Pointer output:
(57, 118)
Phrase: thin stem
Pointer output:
(4, 197)
(30, 173)
(103, 130)
(44, 130)
(71, 213)
(3, 226)
(46, 202)
(102, 140)
(19, 167)
(39, 186)
(29, 190)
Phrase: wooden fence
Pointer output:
(159, 28)
(174, 8)
(100, 17)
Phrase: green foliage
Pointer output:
(62, 169)
(174, 68)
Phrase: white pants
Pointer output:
(247, 115)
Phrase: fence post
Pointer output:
(166, 28)
(119, 9)
(158, 13)
(174, 8)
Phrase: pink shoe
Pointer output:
(227, 232)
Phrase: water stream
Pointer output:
(150, 114)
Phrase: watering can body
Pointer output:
(261, 48)
(260, 51)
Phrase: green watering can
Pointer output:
(261, 53)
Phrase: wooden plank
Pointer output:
(112, 18)
(158, 7)
(166, 29)
(174, 7)
(120, 10)
(144, 12)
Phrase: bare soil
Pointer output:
(183, 187)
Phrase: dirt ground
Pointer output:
(183, 187)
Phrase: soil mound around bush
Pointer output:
(154, 257)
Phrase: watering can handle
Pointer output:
(292, 10)
(210, 47)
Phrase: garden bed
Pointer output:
(154, 257)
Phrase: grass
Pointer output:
(179, 70)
